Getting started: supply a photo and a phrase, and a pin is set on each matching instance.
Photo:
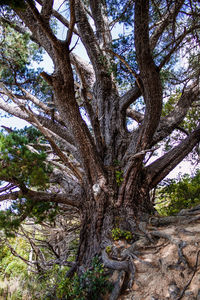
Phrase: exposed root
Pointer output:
(189, 282)
(114, 264)
(132, 272)
(143, 227)
(183, 217)
(139, 266)
(142, 261)
(118, 286)
(126, 267)
(182, 258)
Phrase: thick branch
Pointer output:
(71, 23)
(103, 33)
(60, 18)
(46, 109)
(47, 8)
(37, 30)
(162, 166)
(68, 199)
(172, 121)
(17, 111)
(84, 69)
(130, 97)
(135, 115)
(43, 20)
(9, 196)
(152, 88)
(14, 110)
(87, 36)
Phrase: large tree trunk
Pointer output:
(100, 216)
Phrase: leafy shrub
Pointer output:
(89, 286)
(177, 195)
(118, 234)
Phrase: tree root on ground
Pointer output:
(172, 231)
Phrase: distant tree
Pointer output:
(175, 195)
(148, 77)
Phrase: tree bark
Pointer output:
(100, 216)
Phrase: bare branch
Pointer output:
(122, 13)
(14, 110)
(41, 105)
(57, 150)
(9, 196)
(19, 256)
(127, 66)
(152, 88)
(47, 8)
(42, 22)
(172, 121)
(60, 17)
(130, 97)
(69, 199)
(176, 46)
(71, 23)
(135, 115)
(99, 14)
(162, 166)
(63, 21)
(87, 36)
(19, 112)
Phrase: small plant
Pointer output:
(90, 285)
(108, 249)
(118, 234)
(119, 177)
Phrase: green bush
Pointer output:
(90, 285)
(118, 234)
(177, 195)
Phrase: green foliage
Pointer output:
(119, 177)
(170, 104)
(12, 266)
(118, 234)
(177, 195)
(29, 169)
(192, 119)
(108, 249)
(19, 163)
(11, 218)
(16, 56)
(90, 285)
(9, 222)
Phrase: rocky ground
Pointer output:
(166, 260)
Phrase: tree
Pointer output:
(102, 166)
(176, 195)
